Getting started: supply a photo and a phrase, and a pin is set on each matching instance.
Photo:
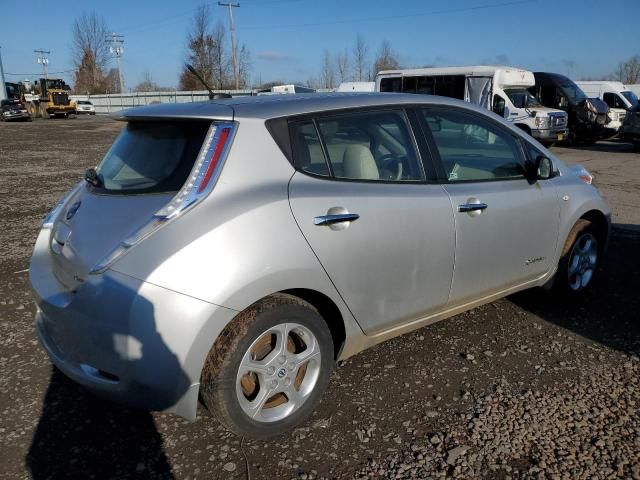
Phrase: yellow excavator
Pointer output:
(53, 99)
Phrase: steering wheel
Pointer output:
(388, 161)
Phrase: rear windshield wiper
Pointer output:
(92, 177)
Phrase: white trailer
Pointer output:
(356, 87)
(502, 89)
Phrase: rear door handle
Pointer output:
(336, 218)
(472, 207)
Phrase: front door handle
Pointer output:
(337, 218)
(472, 207)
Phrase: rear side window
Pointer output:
(373, 146)
(472, 148)
(151, 157)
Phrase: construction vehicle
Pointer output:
(53, 99)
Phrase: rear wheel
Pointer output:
(268, 369)
(579, 259)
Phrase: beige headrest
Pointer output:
(358, 163)
(329, 129)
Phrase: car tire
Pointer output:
(254, 387)
(579, 260)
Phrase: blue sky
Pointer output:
(287, 37)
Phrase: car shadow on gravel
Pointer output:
(81, 436)
(607, 313)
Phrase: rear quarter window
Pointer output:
(151, 157)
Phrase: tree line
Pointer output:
(208, 48)
(355, 64)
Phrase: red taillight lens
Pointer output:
(215, 157)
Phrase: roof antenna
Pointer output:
(212, 96)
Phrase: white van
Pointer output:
(615, 94)
(498, 88)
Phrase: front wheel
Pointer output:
(268, 369)
(579, 259)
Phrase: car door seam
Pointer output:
(314, 253)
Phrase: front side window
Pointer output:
(632, 97)
(372, 146)
(472, 148)
(150, 157)
(522, 98)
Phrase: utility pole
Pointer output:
(117, 48)
(43, 59)
(234, 57)
(3, 86)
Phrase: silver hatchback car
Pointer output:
(233, 251)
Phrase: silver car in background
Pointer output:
(233, 251)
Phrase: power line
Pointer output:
(393, 17)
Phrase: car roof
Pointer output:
(275, 106)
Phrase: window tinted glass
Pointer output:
(450, 86)
(151, 157)
(472, 148)
(391, 84)
(307, 149)
(360, 146)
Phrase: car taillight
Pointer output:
(201, 181)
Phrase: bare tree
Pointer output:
(220, 58)
(244, 66)
(327, 72)
(90, 52)
(360, 52)
(147, 84)
(200, 46)
(628, 72)
(209, 53)
(311, 82)
(112, 81)
(387, 59)
(342, 65)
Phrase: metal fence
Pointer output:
(115, 102)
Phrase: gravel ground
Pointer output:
(527, 387)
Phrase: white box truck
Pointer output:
(498, 88)
(615, 94)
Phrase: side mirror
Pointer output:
(499, 105)
(543, 168)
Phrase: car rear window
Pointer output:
(151, 157)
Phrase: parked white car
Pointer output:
(85, 106)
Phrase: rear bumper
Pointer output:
(16, 116)
(125, 339)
